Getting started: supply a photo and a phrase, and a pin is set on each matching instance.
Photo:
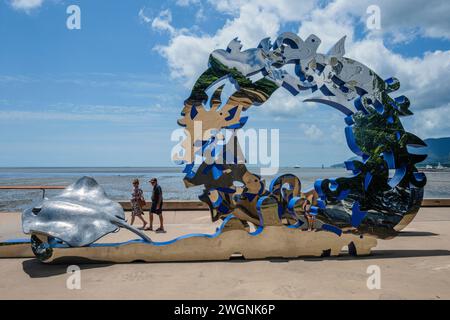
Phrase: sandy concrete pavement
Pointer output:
(415, 265)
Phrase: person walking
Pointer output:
(137, 202)
(157, 204)
(307, 212)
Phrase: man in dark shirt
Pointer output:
(157, 203)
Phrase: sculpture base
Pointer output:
(271, 242)
(18, 248)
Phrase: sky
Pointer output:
(110, 93)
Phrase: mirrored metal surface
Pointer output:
(79, 216)
(384, 190)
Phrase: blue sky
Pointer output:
(110, 93)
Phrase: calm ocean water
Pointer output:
(117, 182)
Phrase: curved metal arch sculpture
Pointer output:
(370, 201)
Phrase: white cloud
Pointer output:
(286, 10)
(143, 17)
(331, 23)
(401, 20)
(424, 79)
(187, 53)
(415, 17)
(26, 5)
(311, 131)
(200, 13)
(284, 105)
(162, 22)
(430, 123)
(185, 3)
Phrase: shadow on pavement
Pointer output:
(388, 254)
(416, 234)
(36, 269)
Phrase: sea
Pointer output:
(117, 182)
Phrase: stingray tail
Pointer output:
(124, 224)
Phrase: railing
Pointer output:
(198, 205)
(43, 188)
(171, 205)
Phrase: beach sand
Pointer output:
(415, 265)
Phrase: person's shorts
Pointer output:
(154, 210)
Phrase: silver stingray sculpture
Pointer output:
(79, 216)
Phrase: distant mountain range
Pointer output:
(438, 150)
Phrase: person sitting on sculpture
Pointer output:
(157, 203)
(137, 203)
(307, 212)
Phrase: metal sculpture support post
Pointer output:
(380, 196)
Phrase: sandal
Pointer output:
(143, 227)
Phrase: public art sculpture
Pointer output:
(369, 201)
(380, 196)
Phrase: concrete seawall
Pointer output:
(194, 205)
(431, 202)
(171, 205)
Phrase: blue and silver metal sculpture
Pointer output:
(369, 201)
(380, 197)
